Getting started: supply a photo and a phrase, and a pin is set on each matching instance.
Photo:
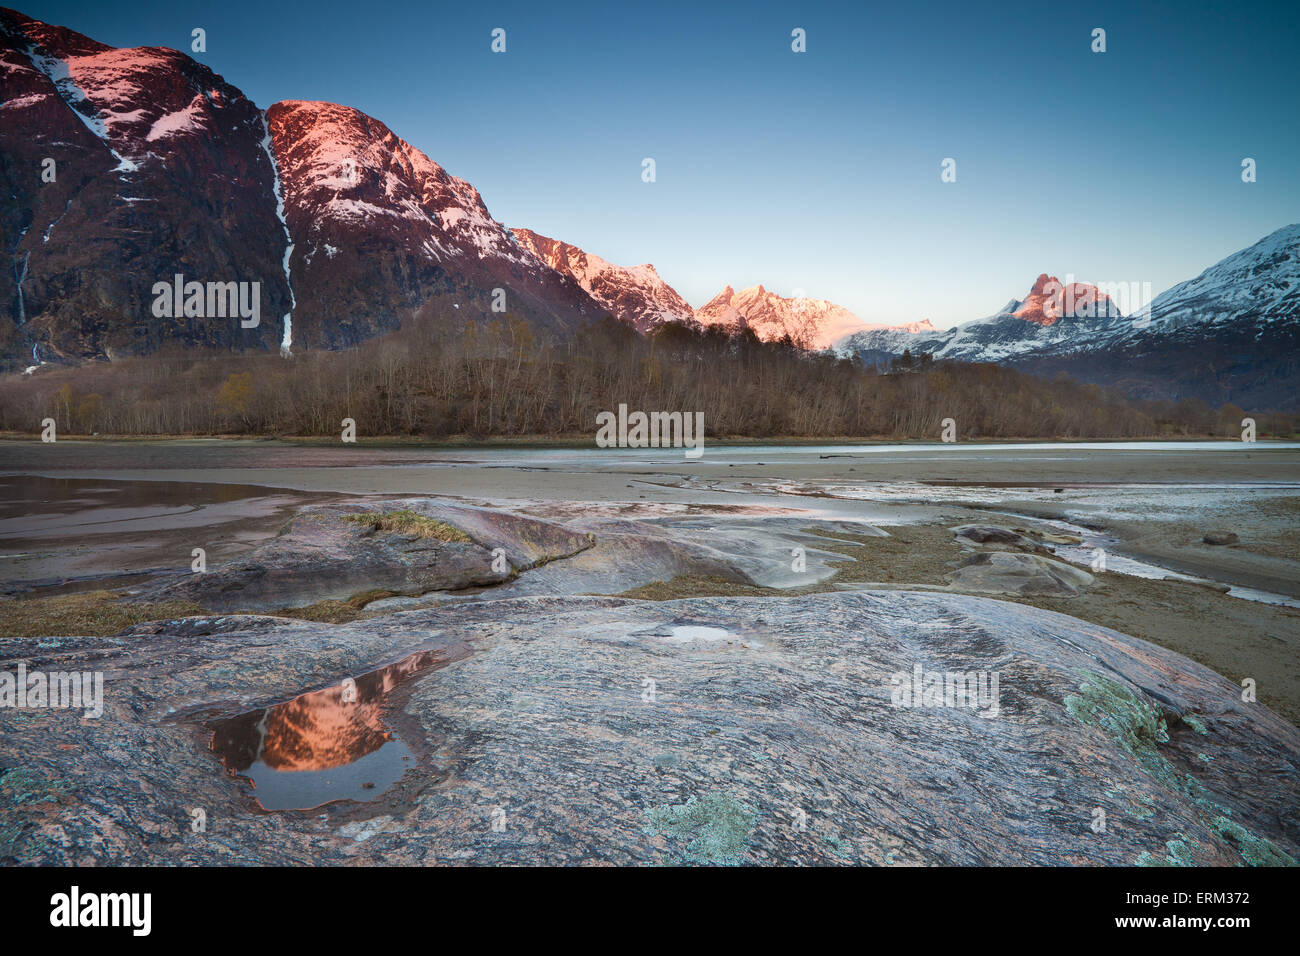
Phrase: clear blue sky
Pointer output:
(819, 171)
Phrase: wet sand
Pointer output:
(75, 533)
(1159, 500)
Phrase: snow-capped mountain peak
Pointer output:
(1261, 280)
(137, 101)
(348, 169)
(1052, 314)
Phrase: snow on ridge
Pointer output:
(59, 73)
(1230, 285)
(340, 155)
(18, 102)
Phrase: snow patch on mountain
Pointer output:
(71, 92)
(349, 169)
(1053, 315)
(188, 120)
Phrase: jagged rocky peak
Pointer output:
(809, 323)
(1050, 300)
(636, 294)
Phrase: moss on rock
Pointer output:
(408, 522)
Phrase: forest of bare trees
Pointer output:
(497, 380)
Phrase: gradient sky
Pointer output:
(815, 173)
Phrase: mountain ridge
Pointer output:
(1230, 334)
(348, 232)
(636, 294)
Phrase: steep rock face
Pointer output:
(158, 169)
(380, 232)
(1050, 300)
(809, 323)
(163, 168)
(635, 294)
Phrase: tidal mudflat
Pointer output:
(748, 657)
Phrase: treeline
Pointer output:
(497, 380)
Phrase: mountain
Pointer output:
(810, 323)
(158, 168)
(636, 294)
(1232, 334)
(134, 170)
(380, 233)
(161, 168)
(1260, 282)
(1052, 314)
(1050, 300)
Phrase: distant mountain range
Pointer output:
(808, 323)
(128, 167)
(1232, 334)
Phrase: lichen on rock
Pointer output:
(715, 827)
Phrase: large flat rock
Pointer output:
(321, 554)
(726, 730)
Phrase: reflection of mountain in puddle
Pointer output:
(323, 746)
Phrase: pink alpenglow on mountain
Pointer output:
(359, 200)
(635, 294)
(1051, 300)
(810, 323)
(915, 328)
(164, 167)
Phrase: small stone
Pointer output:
(1221, 538)
(985, 534)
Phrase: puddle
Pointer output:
(319, 747)
(685, 633)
